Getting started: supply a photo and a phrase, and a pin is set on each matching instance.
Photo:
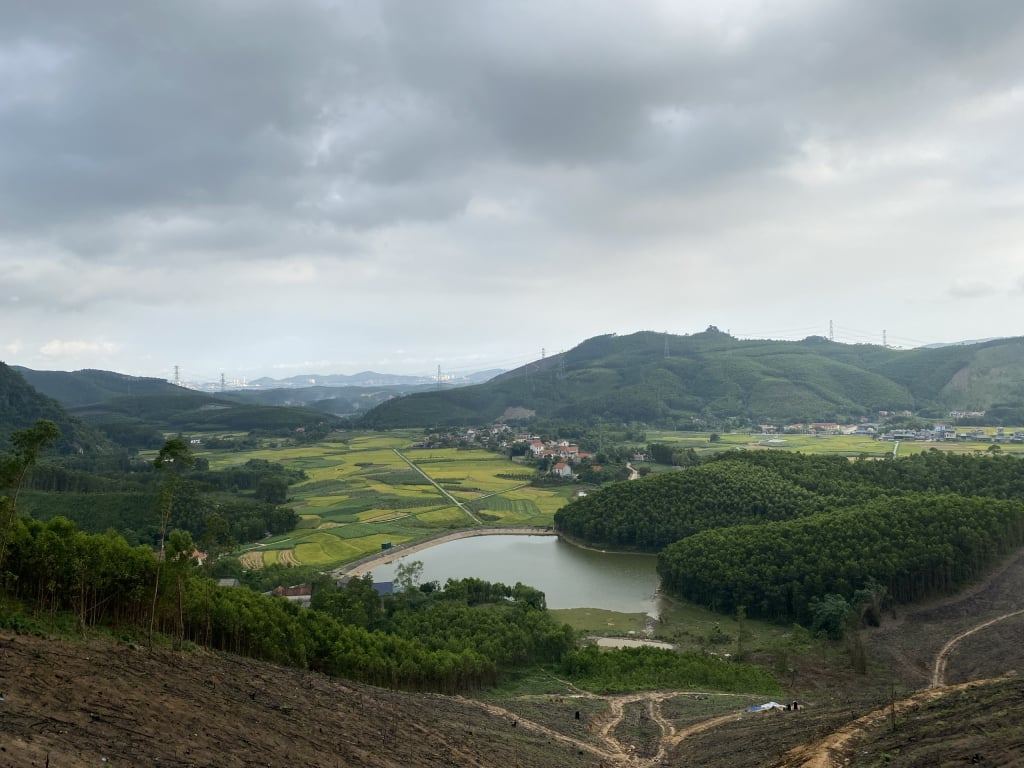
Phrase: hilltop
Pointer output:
(712, 377)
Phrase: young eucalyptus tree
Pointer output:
(172, 460)
(15, 467)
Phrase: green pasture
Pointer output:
(504, 510)
(694, 628)
(547, 500)
(597, 621)
(449, 517)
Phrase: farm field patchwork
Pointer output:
(362, 492)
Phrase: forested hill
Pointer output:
(781, 534)
(710, 377)
(74, 389)
(134, 411)
(21, 405)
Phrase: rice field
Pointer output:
(372, 488)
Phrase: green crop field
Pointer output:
(367, 489)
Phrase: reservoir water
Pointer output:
(569, 577)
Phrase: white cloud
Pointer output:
(222, 187)
(58, 348)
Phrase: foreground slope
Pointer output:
(72, 704)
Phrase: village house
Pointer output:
(301, 595)
(562, 469)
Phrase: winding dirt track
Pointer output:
(828, 752)
(823, 753)
(939, 671)
(611, 749)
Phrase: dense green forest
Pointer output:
(219, 509)
(773, 532)
(916, 545)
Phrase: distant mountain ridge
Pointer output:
(712, 378)
(372, 379)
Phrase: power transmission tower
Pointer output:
(222, 385)
(438, 376)
(831, 332)
(885, 343)
(177, 377)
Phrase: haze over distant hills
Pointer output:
(371, 379)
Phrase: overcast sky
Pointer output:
(272, 187)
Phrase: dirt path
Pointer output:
(443, 492)
(604, 727)
(550, 733)
(828, 752)
(939, 671)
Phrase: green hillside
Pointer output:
(21, 405)
(135, 411)
(74, 389)
(710, 377)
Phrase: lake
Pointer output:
(570, 577)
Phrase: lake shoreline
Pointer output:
(387, 556)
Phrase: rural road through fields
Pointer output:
(444, 493)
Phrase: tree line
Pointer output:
(777, 532)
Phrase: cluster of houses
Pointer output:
(935, 433)
(563, 453)
(941, 432)
(495, 436)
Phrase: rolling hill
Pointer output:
(21, 405)
(711, 378)
(135, 411)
